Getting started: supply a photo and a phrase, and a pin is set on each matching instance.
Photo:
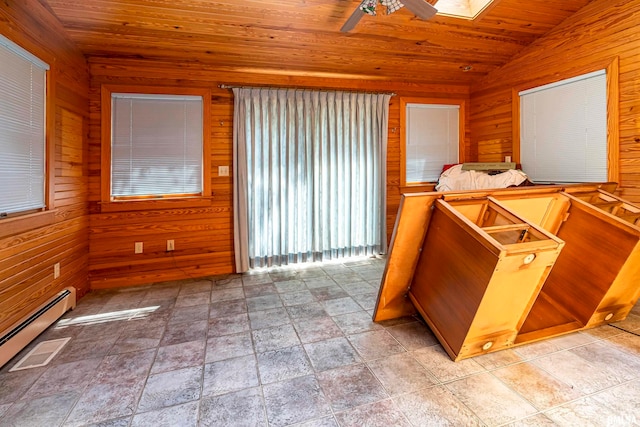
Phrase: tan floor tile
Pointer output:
(537, 349)
(378, 414)
(355, 323)
(585, 412)
(350, 386)
(537, 386)
(190, 287)
(318, 329)
(179, 356)
(230, 375)
(438, 362)
(436, 406)
(228, 347)
(602, 332)
(626, 342)
(44, 411)
(72, 376)
(171, 388)
(498, 359)
(631, 323)
(604, 356)
(294, 401)
(576, 372)
(226, 410)
(331, 353)
(375, 344)
(538, 420)
(320, 422)
(401, 373)
(572, 340)
(413, 335)
(283, 364)
(492, 401)
(624, 401)
(251, 344)
(228, 325)
(182, 415)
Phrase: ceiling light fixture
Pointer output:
(420, 8)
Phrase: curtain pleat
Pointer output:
(310, 175)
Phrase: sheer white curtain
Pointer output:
(310, 175)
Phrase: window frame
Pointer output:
(20, 222)
(454, 10)
(170, 201)
(612, 68)
(461, 103)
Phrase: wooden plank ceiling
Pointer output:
(302, 37)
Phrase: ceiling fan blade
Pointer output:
(353, 20)
(420, 8)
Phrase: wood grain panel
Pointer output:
(445, 240)
(205, 231)
(289, 44)
(27, 257)
(303, 37)
(605, 243)
(595, 35)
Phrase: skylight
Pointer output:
(468, 9)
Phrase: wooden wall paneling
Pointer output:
(600, 31)
(203, 237)
(267, 34)
(15, 264)
(27, 257)
(221, 149)
(26, 266)
(184, 268)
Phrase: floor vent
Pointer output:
(41, 354)
(19, 335)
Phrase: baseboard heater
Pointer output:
(20, 334)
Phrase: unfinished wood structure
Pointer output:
(489, 270)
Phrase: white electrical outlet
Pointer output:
(170, 245)
(223, 170)
(56, 270)
(138, 247)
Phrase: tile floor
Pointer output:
(297, 347)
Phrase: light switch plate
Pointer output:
(223, 170)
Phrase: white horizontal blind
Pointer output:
(156, 145)
(564, 130)
(22, 129)
(432, 140)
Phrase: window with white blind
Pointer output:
(22, 129)
(432, 135)
(156, 145)
(563, 130)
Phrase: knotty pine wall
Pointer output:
(596, 34)
(203, 237)
(88, 241)
(30, 248)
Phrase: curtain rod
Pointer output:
(226, 86)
